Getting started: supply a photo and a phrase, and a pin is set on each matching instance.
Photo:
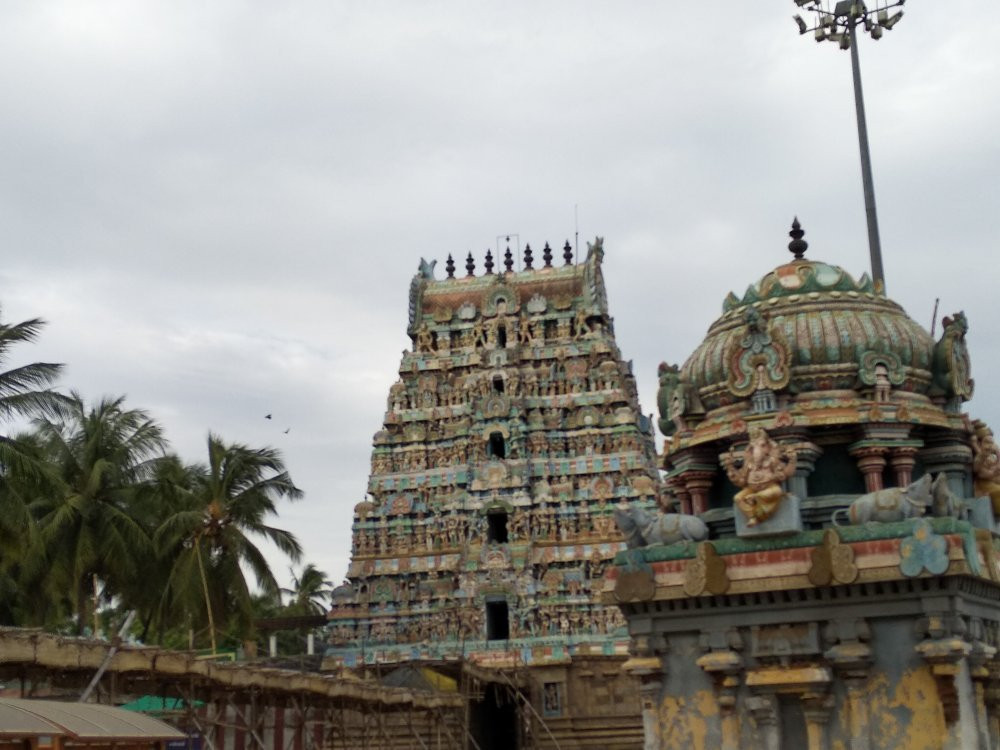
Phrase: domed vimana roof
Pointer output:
(810, 344)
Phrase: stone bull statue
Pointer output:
(643, 528)
(892, 504)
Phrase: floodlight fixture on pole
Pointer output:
(839, 24)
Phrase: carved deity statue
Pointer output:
(759, 470)
(425, 339)
(986, 464)
(951, 366)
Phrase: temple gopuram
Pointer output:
(478, 558)
(828, 575)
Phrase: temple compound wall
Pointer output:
(478, 556)
(841, 589)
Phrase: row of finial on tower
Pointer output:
(508, 260)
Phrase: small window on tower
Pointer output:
(497, 621)
(498, 384)
(496, 527)
(496, 447)
(502, 336)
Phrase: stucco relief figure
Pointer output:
(760, 359)
(891, 504)
(669, 376)
(759, 470)
(425, 339)
(952, 368)
(986, 464)
(478, 334)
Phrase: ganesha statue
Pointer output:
(758, 470)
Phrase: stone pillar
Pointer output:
(949, 452)
(648, 666)
(691, 473)
(764, 710)
(851, 659)
(650, 689)
(681, 493)
(949, 663)
(992, 702)
(725, 668)
(979, 660)
(806, 453)
(902, 459)
(871, 462)
(816, 708)
(699, 485)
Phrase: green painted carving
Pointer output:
(952, 366)
(500, 296)
(669, 378)
(924, 550)
(868, 367)
(800, 277)
(759, 359)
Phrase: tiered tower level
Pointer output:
(512, 432)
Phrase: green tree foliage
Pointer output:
(25, 392)
(213, 537)
(310, 592)
(95, 512)
(88, 534)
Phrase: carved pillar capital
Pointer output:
(699, 485)
(871, 462)
(679, 489)
(903, 459)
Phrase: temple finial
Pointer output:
(508, 259)
(797, 246)
(528, 258)
(449, 266)
(489, 263)
(470, 266)
(568, 253)
(547, 255)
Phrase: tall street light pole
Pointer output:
(840, 24)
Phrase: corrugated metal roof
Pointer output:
(85, 721)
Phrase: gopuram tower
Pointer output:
(511, 434)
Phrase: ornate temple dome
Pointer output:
(808, 326)
(809, 346)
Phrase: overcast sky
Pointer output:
(218, 206)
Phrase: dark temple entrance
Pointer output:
(494, 719)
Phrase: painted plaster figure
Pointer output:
(986, 464)
(759, 470)
(642, 528)
(893, 504)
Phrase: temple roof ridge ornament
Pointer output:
(800, 276)
(797, 246)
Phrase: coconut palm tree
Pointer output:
(24, 392)
(88, 534)
(310, 592)
(230, 506)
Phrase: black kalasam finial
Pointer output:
(528, 259)
(568, 253)
(470, 266)
(547, 255)
(489, 263)
(449, 266)
(508, 260)
(797, 246)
